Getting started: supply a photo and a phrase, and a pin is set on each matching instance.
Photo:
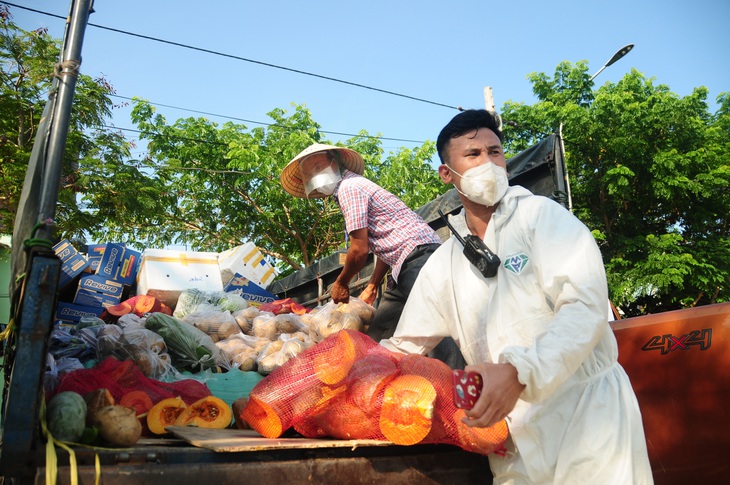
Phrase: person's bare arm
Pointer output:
(371, 290)
(357, 256)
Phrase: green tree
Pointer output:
(648, 172)
(212, 187)
(27, 60)
(206, 186)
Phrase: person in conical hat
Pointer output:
(375, 220)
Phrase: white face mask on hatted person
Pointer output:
(324, 182)
(484, 184)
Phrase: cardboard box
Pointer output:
(72, 262)
(118, 262)
(128, 266)
(248, 290)
(94, 253)
(247, 261)
(165, 273)
(110, 260)
(74, 313)
(90, 298)
(95, 250)
(101, 284)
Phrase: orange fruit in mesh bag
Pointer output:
(289, 389)
(437, 372)
(263, 418)
(138, 400)
(367, 378)
(310, 423)
(480, 440)
(333, 357)
(439, 375)
(344, 419)
(407, 410)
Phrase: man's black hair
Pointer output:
(463, 123)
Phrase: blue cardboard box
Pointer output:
(101, 284)
(250, 291)
(86, 297)
(74, 313)
(94, 253)
(128, 266)
(72, 262)
(110, 260)
(118, 262)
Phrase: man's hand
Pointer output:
(499, 394)
(340, 293)
(357, 256)
(369, 293)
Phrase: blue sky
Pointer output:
(442, 52)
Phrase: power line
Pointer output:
(268, 124)
(253, 61)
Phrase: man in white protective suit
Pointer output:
(536, 331)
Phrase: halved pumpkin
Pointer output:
(407, 411)
(209, 412)
(164, 414)
(262, 417)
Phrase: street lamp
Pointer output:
(618, 55)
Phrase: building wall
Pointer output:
(5, 270)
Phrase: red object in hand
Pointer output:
(467, 388)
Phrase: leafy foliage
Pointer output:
(214, 187)
(27, 60)
(648, 171)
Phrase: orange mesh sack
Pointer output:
(302, 382)
(447, 426)
(349, 387)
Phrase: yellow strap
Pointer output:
(97, 469)
(8, 330)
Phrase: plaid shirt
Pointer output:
(394, 230)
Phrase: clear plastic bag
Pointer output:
(144, 347)
(190, 348)
(190, 299)
(242, 350)
(333, 317)
(218, 324)
(264, 325)
(244, 318)
(277, 353)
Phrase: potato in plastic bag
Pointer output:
(145, 348)
(360, 308)
(242, 350)
(278, 352)
(289, 323)
(265, 326)
(218, 324)
(244, 318)
(332, 318)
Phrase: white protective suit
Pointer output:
(578, 420)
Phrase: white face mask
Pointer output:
(484, 184)
(324, 182)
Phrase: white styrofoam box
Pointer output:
(165, 273)
(248, 261)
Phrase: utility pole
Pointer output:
(489, 103)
